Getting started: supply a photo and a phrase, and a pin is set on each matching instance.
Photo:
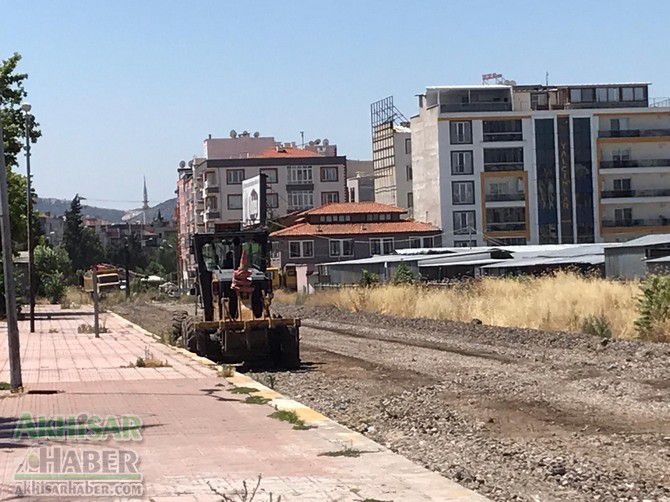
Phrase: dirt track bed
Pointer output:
(514, 414)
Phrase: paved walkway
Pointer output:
(197, 437)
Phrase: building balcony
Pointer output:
(621, 164)
(210, 190)
(503, 166)
(504, 197)
(209, 183)
(502, 136)
(653, 222)
(505, 226)
(212, 214)
(634, 133)
(648, 192)
(479, 106)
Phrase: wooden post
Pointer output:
(96, 306)
(15, 380)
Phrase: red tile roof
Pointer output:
(287, 152)
(363, 228)
(354, 208)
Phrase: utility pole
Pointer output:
(126, 266)
(96, 303)
(29, 204)
(15, 381)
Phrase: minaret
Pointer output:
(145, 204)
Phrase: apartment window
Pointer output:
(352, 195)
(272, 200)
(613, 94)
(383, 245)
(621, 156)
(299, 175)
(234, 202)
(408, 172)
(601, 94)
(300, 199)
(421, 242)
(463, 192)
(234, 176)
(620, 124)
(587, 95)
(211, 203)
(329, 174)
(638, 93)
(210, 178)
(627, 94)
(575, 95)
(271, 174)
(464, 222)
(623, 216)
(408, 145)
(330, 197)
(503, 159)
(460, 132)
(341, 247)
(502, 130)
(622, 185)
(410, 199)
(461, 162)
(301, 249)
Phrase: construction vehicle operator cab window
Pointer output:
(225, 255)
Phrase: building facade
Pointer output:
(535, 164)
(349, 231)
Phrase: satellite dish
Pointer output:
(190, 163)
(182, 164)
(257, 134)
(317, 141)
(245, 133)
(233, 133)
(325, 142)
(311, 143)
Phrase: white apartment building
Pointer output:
(537, 164)
(298, 178)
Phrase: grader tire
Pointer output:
(188, 340)
(289, 347)
(177, 320)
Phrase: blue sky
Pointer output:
(128, 88)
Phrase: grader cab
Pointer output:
(236, 291)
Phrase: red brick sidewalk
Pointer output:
(197, 436)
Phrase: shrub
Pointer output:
(54, 287)
(597, 325)
(403, 275)
(368, 279)
(653, 307)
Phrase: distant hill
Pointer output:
(57, 207)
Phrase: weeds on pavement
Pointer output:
(245, 494)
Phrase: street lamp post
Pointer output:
(26, 107)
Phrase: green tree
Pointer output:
(12, 94)
(82, 244)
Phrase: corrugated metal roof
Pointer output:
(389, 258)
(663, 259)
(464, 263)
(593, 259)
(647, 240)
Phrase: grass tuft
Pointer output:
(290, 417)
(256, 400)
(243, 390)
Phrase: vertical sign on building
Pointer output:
(581, 141)
(565, 179)
(254, 205)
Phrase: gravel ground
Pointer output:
(514, 414)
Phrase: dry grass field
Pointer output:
(562, 302)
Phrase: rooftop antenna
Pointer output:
(302, 139)
(546, 79)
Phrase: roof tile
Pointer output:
(354, 208)
(364, 228)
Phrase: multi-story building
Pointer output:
(537, 164)
(297, 178)
(391, 155)
(361, 181)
